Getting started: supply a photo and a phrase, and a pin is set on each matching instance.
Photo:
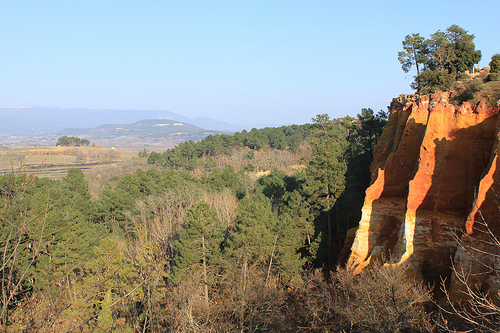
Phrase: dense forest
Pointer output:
(190, 243)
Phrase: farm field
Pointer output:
(54, 162)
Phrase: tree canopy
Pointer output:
(444, 53)
(495, 63)
(68, 141)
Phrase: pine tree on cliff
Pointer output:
(325, 173)
(415, 51)
(437, 60)
(463, 46)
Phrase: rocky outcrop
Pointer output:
(434, 174)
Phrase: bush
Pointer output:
(495, 63)
(469, 90)
(430, 81)
(250, 155)
(493, 77)
(250, 167)
(462, 77)
(473, 298)
(380, 299)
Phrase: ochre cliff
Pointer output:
(434, 175)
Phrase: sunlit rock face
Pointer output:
(434, 163)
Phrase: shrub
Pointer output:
(430, 81)
(462, 77)
(380, 299)
(250, 155)
(495, 63)
(493, 77)
(249, 167)
(473, 304)
(469, 90)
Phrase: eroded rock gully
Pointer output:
(434, 178)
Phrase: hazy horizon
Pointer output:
(267, 63)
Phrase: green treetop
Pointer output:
(495, 63)
(448, 52)
(415, 53)
(199, 245)
(255, 230)
(325, 173)
(463, 46)
(294, 231)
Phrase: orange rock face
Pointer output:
(433, 163)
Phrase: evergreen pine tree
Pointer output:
(325, 173)
(255, 230)
(198, 246)
(294, 231)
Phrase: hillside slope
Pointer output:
(150, 128)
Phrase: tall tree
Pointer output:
(363, 134)
(440, 51)
(463, 47)
(326, 170)
(414, 53)
(294, 229)
(199, 244)
(110, 277)
(252, 243)
(255, 225)
(72, 236)
(439, 58)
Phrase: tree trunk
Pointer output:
(416, 66)
(205, 279)
(271, 260)
(243, 295)
(329, 222)
(338, 226)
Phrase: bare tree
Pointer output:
(473, 298)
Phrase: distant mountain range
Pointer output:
(144, 129)
(35, 120)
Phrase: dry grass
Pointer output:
(475, 91)
(265, 160)
(56, 158)
(98, 164)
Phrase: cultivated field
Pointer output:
(54, 162)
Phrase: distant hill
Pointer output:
(144, 129)
(35, 120)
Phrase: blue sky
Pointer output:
(250, 63)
